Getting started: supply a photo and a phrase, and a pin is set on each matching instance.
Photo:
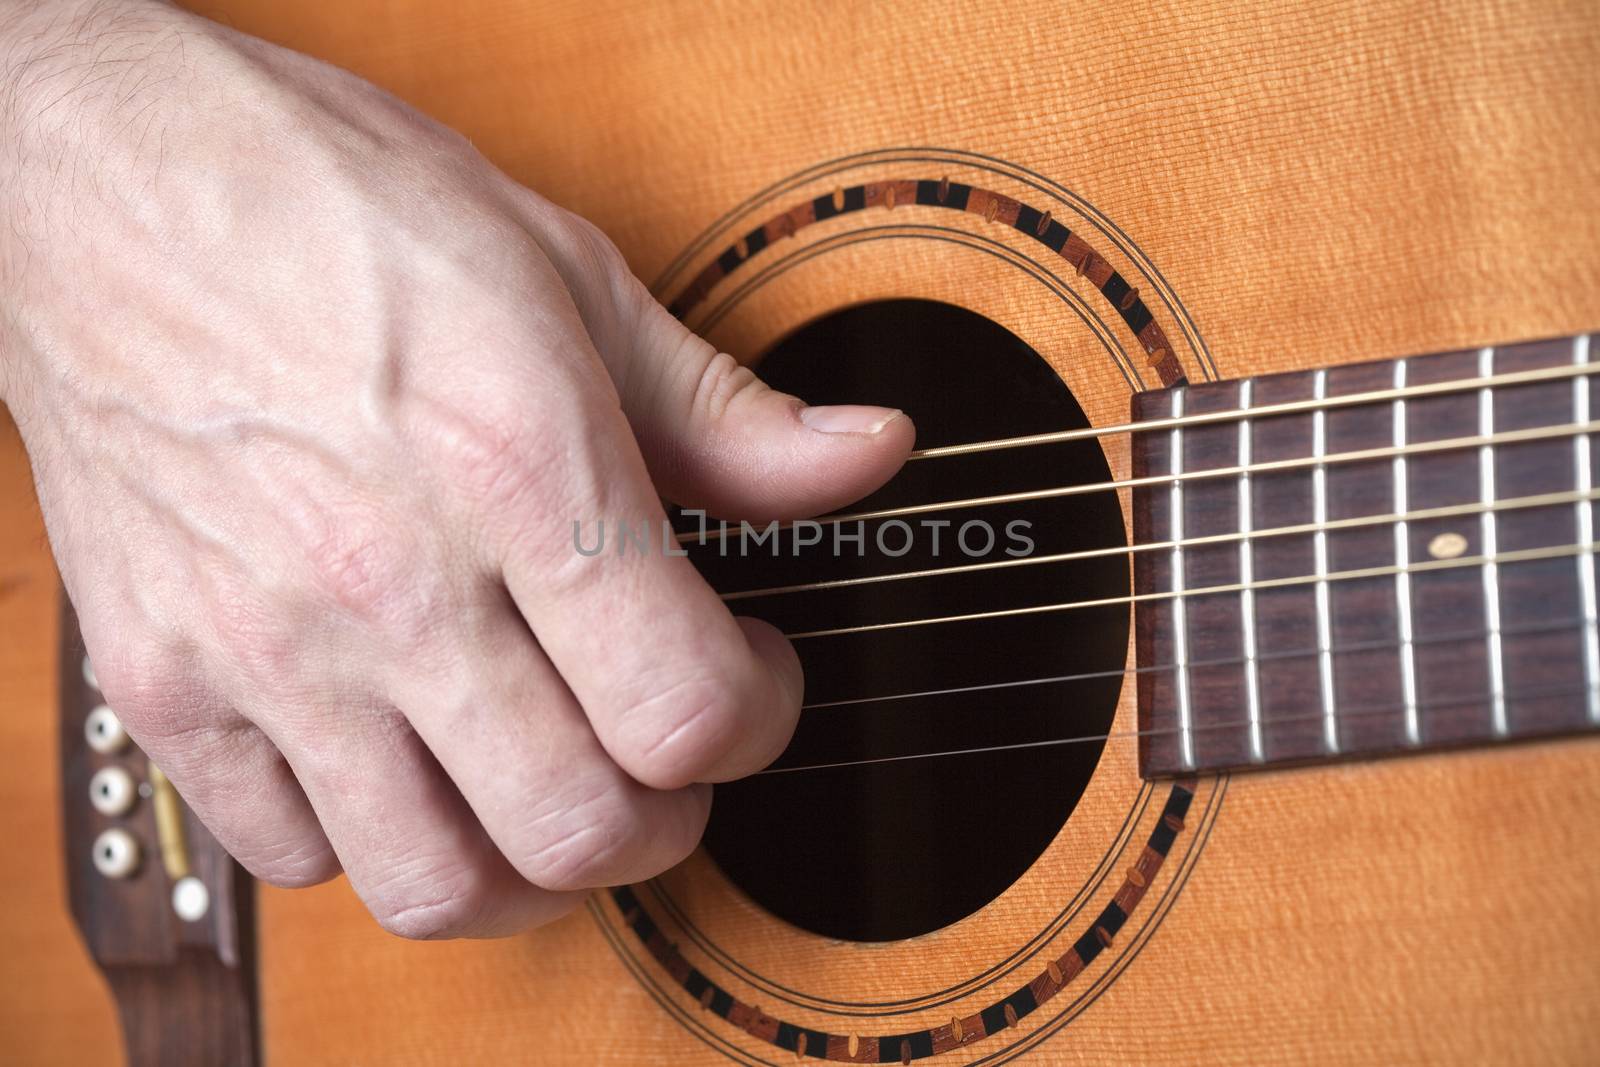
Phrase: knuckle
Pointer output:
(433, 919)
(430, 901)
(289, 864)
(252, 634)
(611, 301)
(198, 748)
(592, 252)
(723, 381)
(361, 565)
(580, 842)
(494, 452)
(675, 735)
(248, 798)
(525, 482)
(150, 686)
(381, 577)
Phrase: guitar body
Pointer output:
(1277, 189)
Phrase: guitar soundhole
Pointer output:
(883, 847)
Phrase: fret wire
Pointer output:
(1293, 407)
(1180, 614)
(1488, 536)
(1402, 578)
(1247, 596)
(1533, 693)
(1319, 515)
(1529, 629)
(1446, 445)
(1585, 529)
(1446, 511)
(1518, 556)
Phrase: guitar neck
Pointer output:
(165, 912)
(1371, 559)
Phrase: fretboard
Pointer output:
(1403, 572)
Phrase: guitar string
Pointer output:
(1519, 556)
(1562, 431)
(1377, 645)
(1358, 711)
(1130, 735)
(1266, 411)
(1292, 407)
(1474, 508)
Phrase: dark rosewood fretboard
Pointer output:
(1471, 616)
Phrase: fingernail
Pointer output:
(847, 418)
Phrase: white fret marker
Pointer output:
(1319, 515)
(1180, 617)
(1402, 579)
(1491, 569)
(1582, 479)
(1247, 597)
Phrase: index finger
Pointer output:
(676, 689)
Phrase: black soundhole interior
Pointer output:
(884, 850)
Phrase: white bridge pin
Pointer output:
(190, 899)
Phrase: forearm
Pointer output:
(84, 89)
(52, 49)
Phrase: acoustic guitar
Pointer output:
(1264, 325)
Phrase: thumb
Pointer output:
(713, 435)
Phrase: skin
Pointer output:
(313, 395)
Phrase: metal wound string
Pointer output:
(1531, 629)
(1293, 407)
(1359, 711)
(1474, 508)
(1520, 556)
(1451, 444)
(1574, 430)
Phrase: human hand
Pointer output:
(314, 395)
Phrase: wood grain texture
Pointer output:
(1359, 181)
(1538, 650)
(56, 1008)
